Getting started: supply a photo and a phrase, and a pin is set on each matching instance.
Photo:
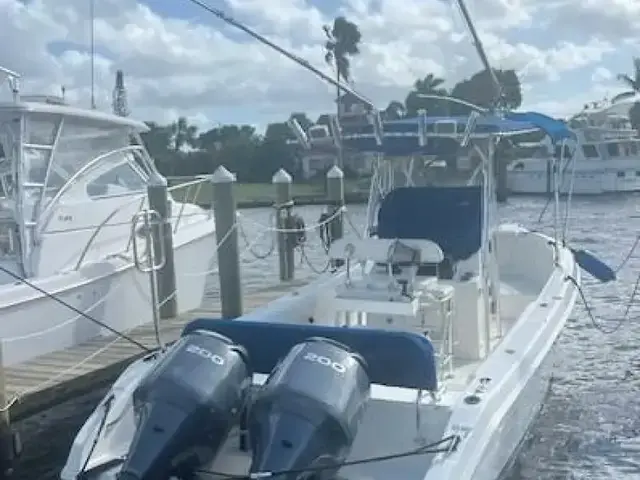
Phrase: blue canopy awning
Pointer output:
(403, 137)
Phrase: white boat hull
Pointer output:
(514, 426)
(490, 430)
(585, 182)
(113, 291)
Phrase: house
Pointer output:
(320, 159)
(349, 105)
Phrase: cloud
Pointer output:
(180, 60)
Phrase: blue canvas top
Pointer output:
(394, 358)
(401, 137)
(512, 122)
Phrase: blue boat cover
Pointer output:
(448, 216)
(394, 358)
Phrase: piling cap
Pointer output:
(335, 172)
(222, 175)
(157, 180)
(281, 176)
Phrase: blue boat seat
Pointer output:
(394, 358)
(451, 217)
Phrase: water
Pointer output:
(589, 427)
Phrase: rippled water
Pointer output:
(589, 427)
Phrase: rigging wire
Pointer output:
(51, 296)
(450, 443)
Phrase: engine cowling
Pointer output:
(308, 412)
(186, 407)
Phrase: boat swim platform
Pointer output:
(54, 378)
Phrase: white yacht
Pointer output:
(604, 159)
(425, 357)
(71, 181)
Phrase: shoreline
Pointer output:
(298, 201)
(261, 195)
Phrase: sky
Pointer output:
(179, 60)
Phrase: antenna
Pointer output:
(93, 51)
(119, 98)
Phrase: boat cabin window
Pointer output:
(590, 151)
(56, 150)
(41, 129)
(123, 179)
(613, 150)
(559, 153)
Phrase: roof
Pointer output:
(93, 116)
(349, 99)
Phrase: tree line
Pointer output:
(180, 149)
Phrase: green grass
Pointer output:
(247, 193)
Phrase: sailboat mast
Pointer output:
(92, 48)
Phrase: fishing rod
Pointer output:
(300, 61)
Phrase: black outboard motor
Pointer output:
(186, 407)
(308, 412)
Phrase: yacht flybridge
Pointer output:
(71, 180)
(604, 159)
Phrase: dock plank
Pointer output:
(51, 379)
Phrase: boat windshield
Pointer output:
(53, 150)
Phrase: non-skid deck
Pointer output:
(59, 376)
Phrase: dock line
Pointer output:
(123, 336)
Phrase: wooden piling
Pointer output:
(335, 197)
(224, 210)
(158, 194)
(284, 203)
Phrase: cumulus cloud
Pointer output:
(179, 60)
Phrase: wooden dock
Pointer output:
(54, 378)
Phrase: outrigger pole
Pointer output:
(480, 49)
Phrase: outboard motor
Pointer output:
(308, 412)
(186, 407)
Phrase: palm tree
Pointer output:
(631, 81)
(429, 85)
(343, 39)
(394, 111)
(183, 134)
